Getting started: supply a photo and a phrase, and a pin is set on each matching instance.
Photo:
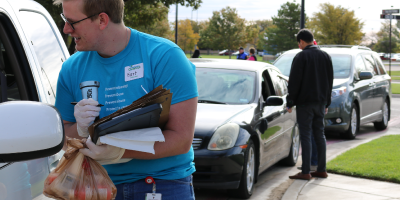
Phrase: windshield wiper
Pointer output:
(210, 101)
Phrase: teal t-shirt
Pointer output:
(145, 63)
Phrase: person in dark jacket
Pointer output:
(242, 55)
(196, 54)
(310, 88)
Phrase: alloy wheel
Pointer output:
(250, 170)
(353, 122)
(385, 114)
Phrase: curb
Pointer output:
(294, 190)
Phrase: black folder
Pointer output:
(145, 117)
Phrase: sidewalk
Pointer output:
(344, 187)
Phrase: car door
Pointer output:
(382, 83)
(274, 118)
(362, 88)
(29, 77)
(375, 104)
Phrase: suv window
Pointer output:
(11, 87)
(370, 64)
(280, 88)
(359, 64)
(43, 39)
(380, 65)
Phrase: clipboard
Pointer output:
(139, 118)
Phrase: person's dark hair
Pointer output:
(252, 51)
(196, 54)
(305, 35)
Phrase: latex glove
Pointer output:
(85, 111)
(104, 154)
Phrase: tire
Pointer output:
(382, 125)
(291, 159)
(354, 124)
(246, 186)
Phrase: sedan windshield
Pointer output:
(341, 65)
(225, 86)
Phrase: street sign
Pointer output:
(390, 11)
(390, 16)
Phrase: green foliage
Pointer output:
(226, 30)
(281, 36)
(336, 25)
(395, 88)
(383, 38)
(378, 159)
(159, 28)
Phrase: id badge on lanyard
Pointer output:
(153, 195)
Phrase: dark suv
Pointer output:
(361, 88)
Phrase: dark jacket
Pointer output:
(311, 78)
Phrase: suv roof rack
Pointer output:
(354, 47)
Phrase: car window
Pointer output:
(11, 86)
(370, 64)
(224, 85)
(341, 64)
(380, 65)
(44, 41)
(359, 64)
(280, 88)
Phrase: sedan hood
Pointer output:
(339, 81)
(210, 116)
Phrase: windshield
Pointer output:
(225, 86)
(341, 64)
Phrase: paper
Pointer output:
(138, 140)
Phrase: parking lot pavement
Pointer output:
(344, 187)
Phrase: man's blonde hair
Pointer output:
(113, 8)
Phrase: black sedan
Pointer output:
(242, 126)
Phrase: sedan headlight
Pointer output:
(339, 91)
(225, 137)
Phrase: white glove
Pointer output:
(104, 154)
(85, 111)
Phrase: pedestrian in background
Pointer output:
(252, 55)
(196, 54)
(310, 87)
(242, 55)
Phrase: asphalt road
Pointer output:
(273, 182)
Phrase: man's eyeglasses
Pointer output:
(72, 24)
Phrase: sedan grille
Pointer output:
(196, 143)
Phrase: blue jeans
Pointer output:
(310, 119)
(170, 189)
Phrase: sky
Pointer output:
(367, 10)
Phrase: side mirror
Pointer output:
(274, 101)
(365, 75)
(29, 130)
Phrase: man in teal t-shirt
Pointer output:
(109, 52)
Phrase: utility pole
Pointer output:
(302, 19)
(176, 24)
(390, 46)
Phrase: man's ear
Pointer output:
(104, 19)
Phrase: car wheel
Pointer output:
(354, 124)
(291, 160)
(246, 186)
(385, 118)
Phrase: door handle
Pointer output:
(371, 84)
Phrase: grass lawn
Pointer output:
(378, 159)
(395, 88)
(394, 73)
(225, 57)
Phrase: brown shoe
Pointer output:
(301, 176)
(319, 174)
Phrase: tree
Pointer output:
(336, 25)
(252, 33)
(138, 14)
(160, 28)
(383, 38)
(225, 31)
(281, 36)
(186, 37)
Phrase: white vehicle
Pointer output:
(31, 129)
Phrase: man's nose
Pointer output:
(67, 28)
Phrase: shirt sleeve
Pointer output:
(174, 71)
